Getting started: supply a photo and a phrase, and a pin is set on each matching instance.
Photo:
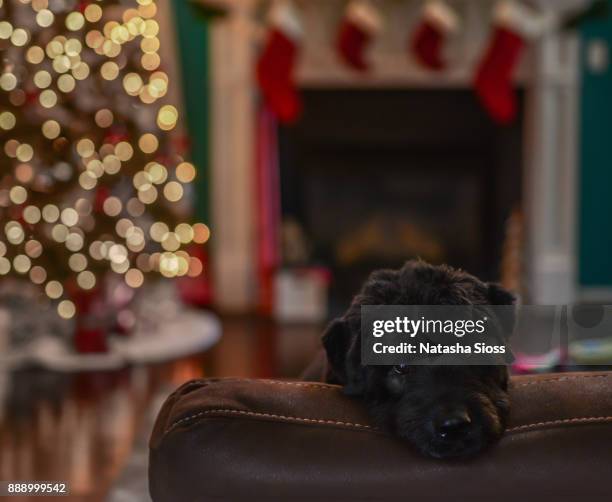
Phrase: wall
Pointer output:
(595, 233)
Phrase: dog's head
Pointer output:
(445, 411)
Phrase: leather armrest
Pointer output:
(236, 439)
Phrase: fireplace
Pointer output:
(549, 75)
(377, 176)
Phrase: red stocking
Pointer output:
(514, 23)
(437, 22)
(276, 64)
(494, 77)
(360, 24)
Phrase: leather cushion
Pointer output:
(238, 439)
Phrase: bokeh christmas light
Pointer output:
(92, 177)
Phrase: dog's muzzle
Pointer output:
(452, 426)
(454, 431)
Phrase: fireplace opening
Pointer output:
(373, 177)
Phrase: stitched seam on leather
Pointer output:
(326, 386)
(322, 386)
(577, 420)
(559, 379)
(270, 415)
(314, 385)
(369, 428)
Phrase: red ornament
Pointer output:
(31, 97)
(116, 135)
(197, 291)
(102, 193)
(181, 144)
(83, 5)
(90, 340)
(90, 335)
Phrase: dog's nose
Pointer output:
(453, 424)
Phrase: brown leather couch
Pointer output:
(237, 439)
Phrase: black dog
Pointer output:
(445, 411)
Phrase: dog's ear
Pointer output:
(336, 341)
(344, 356)
(498, 295)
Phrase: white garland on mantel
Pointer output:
(392, 63)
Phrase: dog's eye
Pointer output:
(400, 369)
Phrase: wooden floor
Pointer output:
(81, 428)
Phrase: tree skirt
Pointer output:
(191, 332)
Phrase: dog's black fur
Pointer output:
(445, 411)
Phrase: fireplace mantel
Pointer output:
(392, 63)
(549, 74)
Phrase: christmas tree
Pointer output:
(92, 180)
